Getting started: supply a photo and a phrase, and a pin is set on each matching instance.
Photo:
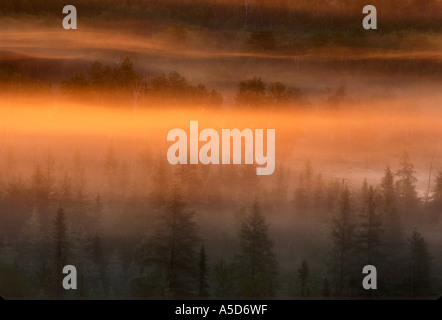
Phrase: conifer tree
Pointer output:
(172, 247)
(406, 185)
(256, 260)
(61, 248)
(369, 232)
(419, 265)
(343, 236)
(389, 206)
(392, 265)
(202, 276)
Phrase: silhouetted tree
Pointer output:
(121, 78)
(255, 92)
(256, 260)
(419, 265)
(172, 248)
(176, 89)
(126, 75)
(61, 248)
(202, 276)
(279, 95)
(392, 264)
(303, 278)
(251, 92)
(368, 237)
(406, 185)
(389, 206)
(343, 236)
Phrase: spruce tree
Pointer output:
(406, 185)
(389, 207)
(256, 260)
(419, 265)
(172, 248)
(392, 265)
(343, 236)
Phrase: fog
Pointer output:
(355, 104)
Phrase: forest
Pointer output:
(192, 231)
(85, 181)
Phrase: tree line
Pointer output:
(101, 82)
(373, 224)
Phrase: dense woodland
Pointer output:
(142, 233)
(150, 242)
(136, 227)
